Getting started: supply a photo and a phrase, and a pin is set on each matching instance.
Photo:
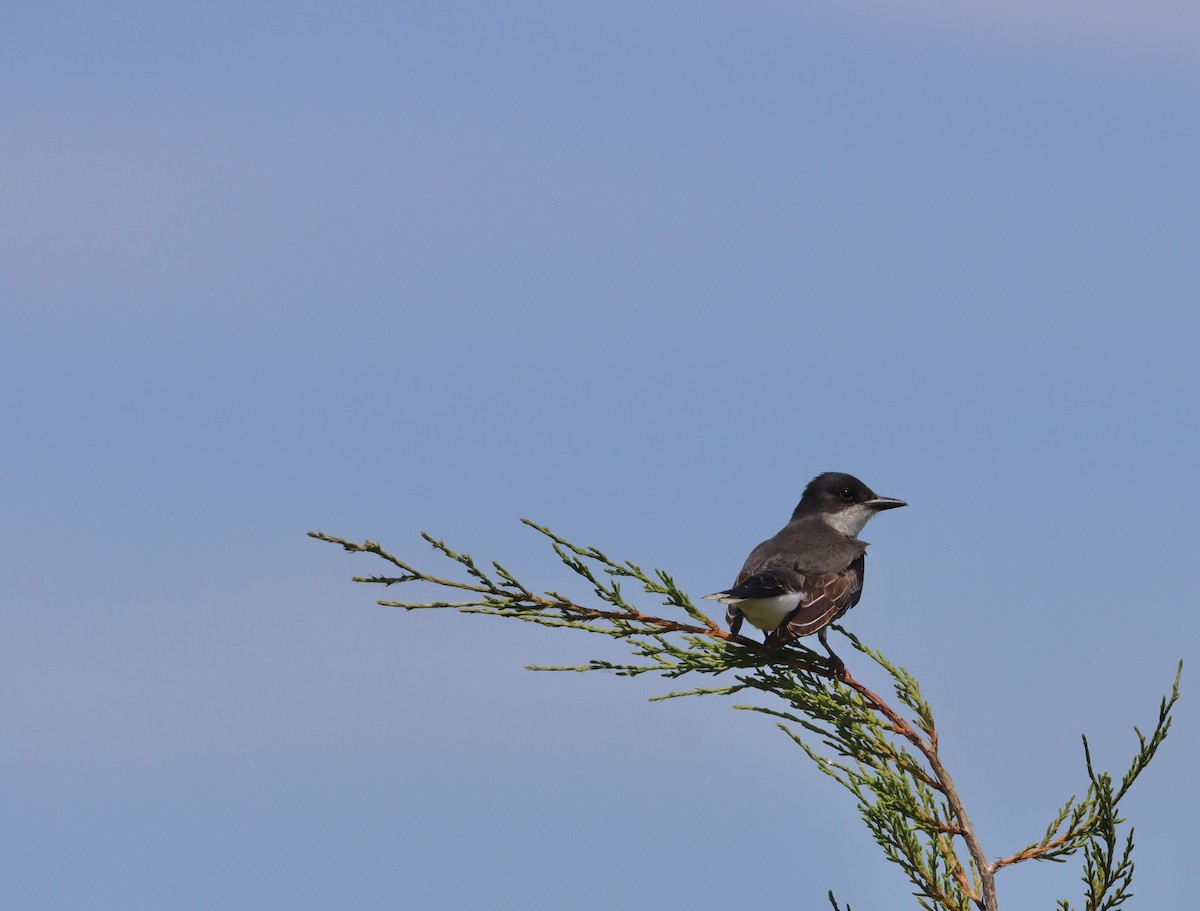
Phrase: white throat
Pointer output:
(849, 521)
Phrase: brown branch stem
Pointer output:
(928, 749)
(1035, 851)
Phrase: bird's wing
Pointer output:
(826, 597)
(765, 584)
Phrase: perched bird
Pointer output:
(808, 575)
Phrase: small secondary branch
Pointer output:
(944, 783)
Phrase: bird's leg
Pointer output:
(837, 665)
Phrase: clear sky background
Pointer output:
(636, 270)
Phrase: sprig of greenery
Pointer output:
(887, 757)
(1092, 825)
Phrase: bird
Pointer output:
(810, 573)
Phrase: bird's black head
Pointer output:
(843, 500)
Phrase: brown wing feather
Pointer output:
(828, 595)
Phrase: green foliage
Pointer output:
(887, 758)
(1093, 822)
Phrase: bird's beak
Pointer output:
(881, 503)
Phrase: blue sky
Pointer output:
(636, 270)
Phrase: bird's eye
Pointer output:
(847, 494)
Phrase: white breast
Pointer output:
(768, 613)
